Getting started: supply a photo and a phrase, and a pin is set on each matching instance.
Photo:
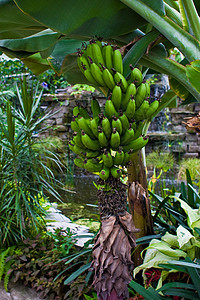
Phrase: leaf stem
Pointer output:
(192, 17)
(185, 42)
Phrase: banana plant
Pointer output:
(145, 30)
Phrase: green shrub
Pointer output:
(193, 165)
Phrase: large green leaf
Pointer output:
(83, 19)
(14, 23)
(34, 43)
(37, 64)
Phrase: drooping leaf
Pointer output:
(34, 43)
(193, 214)
(83, 19)
(165, 248)
(185, 239)
(171, 239)
(37, 64)
(14, 23)
(153, 257)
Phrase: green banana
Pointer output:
(140, 95)
(83, 113)
(76, 111)
(105, 173)
(138, 130)
(119, 78)
(134, 126)
(108, 78)
(140, 113)
(92, 166)
(135, 76)
(115, 172)
(116, 97)
(102, 138)
(74, 125)
(135, 145)
(105, 123)
(108, 57)
(83, 125)
(77, 140)
(107, 159)
(126, 159)
(97, 74)
(94, 126)
(89, 50)
(83, 63)
(92, 154)
(130, 110)
(99, 43)
(110, 110)
(117, 61)
(130, 93)
(115, 139)
(79, 162)
(148, 90)
(96, 110)
(152, 108)
(88, 75)
(89, 143)
(124, 120)
(119, 157)
(76, 149)
(97, 54)
(116, 123)
(127, 137)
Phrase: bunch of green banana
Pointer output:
(97, 63)
(104, 141)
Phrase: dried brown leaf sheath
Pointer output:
(112, 262)
(193, 123)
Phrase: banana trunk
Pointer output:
(112, 262)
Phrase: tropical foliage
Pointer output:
(24, 177)
(162, 25)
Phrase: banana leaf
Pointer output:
(14, 23)
(83, 19)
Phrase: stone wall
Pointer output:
(167, 131)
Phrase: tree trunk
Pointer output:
(139, 203)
